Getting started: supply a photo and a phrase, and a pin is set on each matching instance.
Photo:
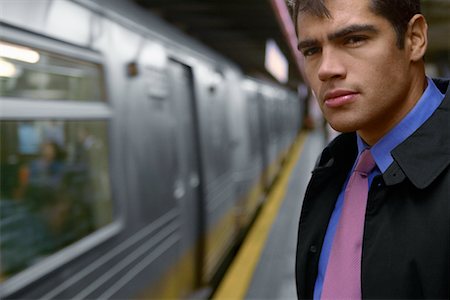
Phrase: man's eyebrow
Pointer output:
(307, 43)
(339, 34)
(355, 28)
(352, 29)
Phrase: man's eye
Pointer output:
(310, 51)
(355, 40)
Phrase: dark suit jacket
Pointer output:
(406, 242)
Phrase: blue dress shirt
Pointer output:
(381, 152)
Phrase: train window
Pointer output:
(55, 188)
(35, 74)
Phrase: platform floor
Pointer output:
(272, 276)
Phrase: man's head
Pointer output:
(363, 60)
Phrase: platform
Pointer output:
(264, 266)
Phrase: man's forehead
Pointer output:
(340, 16)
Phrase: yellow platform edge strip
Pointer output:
(238, 278)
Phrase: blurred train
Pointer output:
(132, 157)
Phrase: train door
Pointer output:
(263, 136)
(158, 164)
(187, 184)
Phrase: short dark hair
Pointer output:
(397, 12)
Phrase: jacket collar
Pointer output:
(339, 154)
(426, 153)
(420, 164)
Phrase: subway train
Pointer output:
(133, 158)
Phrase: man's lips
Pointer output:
(338, 98)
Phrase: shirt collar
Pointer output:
(423, 109)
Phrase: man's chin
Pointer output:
(343, 127)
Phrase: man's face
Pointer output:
(360, 77)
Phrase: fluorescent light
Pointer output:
(18, 53)
(7, 69)
(275, 62)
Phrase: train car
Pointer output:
(132, 157)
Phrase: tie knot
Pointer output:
(365, 162)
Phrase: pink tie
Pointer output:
(343, 274)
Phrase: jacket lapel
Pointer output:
(322, 192)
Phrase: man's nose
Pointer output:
(331, 65)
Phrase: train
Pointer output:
(133, 158)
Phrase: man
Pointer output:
(375, 220)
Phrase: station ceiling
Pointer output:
(239, 29)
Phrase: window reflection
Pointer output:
(54, 188)
(35, 74)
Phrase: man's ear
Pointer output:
(417, 37)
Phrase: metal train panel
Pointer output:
(63, 20)
(213, 110)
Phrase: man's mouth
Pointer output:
(339, 97)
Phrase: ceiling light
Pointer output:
(7, 69)
(18, 53)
